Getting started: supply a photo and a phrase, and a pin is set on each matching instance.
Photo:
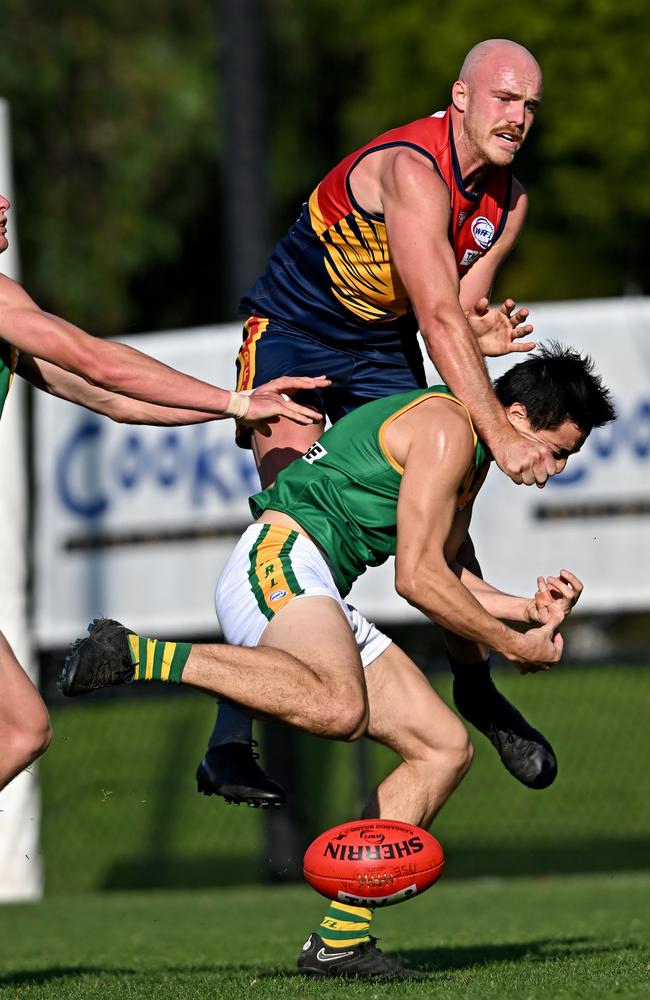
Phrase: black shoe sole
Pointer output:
(205, 787)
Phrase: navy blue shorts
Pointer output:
(268, 351)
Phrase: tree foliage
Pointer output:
(117, 144)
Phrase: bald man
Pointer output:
(406, 233)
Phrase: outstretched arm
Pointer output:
(118, 368)
(416, 208)
(125, 410)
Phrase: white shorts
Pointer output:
(271, 566)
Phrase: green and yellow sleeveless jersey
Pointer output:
(344, 489)
(8, 359)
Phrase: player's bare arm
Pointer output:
(122, 409)
(415, 203)
(435, 463)
(119, 368)
(500, 329)
(561, 595)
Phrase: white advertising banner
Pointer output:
(136, 522)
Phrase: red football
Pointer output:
(373, 862)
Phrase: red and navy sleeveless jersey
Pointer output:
(331, 278)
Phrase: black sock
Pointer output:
(477, 672)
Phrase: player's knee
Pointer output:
(452, 753)
(36, 730)
(348, 714)
(459, 752)
(29, 740)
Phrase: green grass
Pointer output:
(120, 809)
(522, 939)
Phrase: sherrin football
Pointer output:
(373, 862)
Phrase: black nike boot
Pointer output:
(363, 961)
(231, 770)
(524, 751)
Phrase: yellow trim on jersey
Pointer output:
(409, 406)
(247, 352)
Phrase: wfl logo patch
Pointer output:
(314, 453)
(277, 594)
(483, 232)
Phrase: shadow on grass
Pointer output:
(428, 960)
(579, 856)
(542, 950)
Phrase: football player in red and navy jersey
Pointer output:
(405, 234)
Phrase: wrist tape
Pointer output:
(237, 405)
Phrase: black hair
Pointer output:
(555, 385)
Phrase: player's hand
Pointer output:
(541, 647)
(555, 592)
(500, 329)
(524, 459)
(272, 400)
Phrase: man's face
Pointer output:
(564, 440)
(4, 208)
(499, 105)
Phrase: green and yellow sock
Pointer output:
(157, 660)
(345, 925)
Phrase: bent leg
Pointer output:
(408, 716)
(24, 723)
(230, 761)
(323, 693)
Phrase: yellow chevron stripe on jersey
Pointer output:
(358, 265)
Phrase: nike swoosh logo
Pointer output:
(322, 957)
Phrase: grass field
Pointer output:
(529, 939)
(120, 808)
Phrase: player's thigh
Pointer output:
(20, 702)
(317, 632)
(405, 713)
(277, 590)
